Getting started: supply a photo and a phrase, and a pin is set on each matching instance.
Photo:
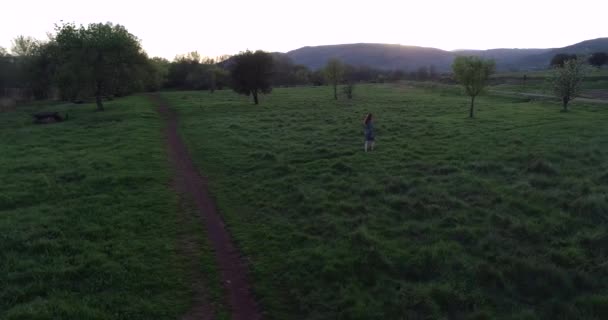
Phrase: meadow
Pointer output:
(503, 216)
(88, 221)
(595, 84)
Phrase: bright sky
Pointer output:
(219, 27)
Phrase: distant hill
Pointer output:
(542, 60)
(391, 56)
(381, 56)
(506, 59)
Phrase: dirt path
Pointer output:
(540, 95)
(191, 184)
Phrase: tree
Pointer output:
(422, 74)
(559, 59)
(221, 77)
(157, 70)
(222, 58)
(40, 68)
(301, 74)
(433, 74)
(567, 80)
(283, 70)
(473, 74)
(194, 72)
(100, 60)
(598, 59)
(334, 71)
(317, 78)
(251, 73)
(24, 46)
(348, 89)
(3, 52)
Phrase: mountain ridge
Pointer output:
(408, 57)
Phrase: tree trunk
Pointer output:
(98, 99)
(335, 91)
(99, 103)
(472, 106)
(565, 102)
(255, 96)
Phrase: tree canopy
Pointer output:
(567, 80)
(473, 73)
(251, 73)
(334, 71)
(100, 60)
(559, 59)
(598, 59)
(24, 46)
(3, 52)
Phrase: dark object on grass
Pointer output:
(47, 117)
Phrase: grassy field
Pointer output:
(501, 217)
(88, 224)
(536, 82)
(541, 74)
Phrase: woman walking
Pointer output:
(370, 138)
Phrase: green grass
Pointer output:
(501, 217)
(537, 81)
(543, 86)
(593, 72)
(88, 222)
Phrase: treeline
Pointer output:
(596, 59)
(287, 73)
(79, 62)
(194, 72)
(102, 60)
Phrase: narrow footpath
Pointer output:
(193, 186)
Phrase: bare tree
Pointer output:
(334, 70)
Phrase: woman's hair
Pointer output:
(368, 118)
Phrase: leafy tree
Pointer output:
(422, 74)
(283, 70)
(31, 67)
(598, 59)
(40, 69)
(317, 78)
(567, 80)
(157, 70)
(334, 71)
(6, 70)
(221, 77)
(301, 74)
(473, 74)
(287, 73)
(194, 72)
(222, 58)
(251, 73)
(559, 59)
(24, 46)
(100, 60)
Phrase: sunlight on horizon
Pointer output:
(227, 27)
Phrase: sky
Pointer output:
(168, 28)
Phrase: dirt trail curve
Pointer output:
(193, 185)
